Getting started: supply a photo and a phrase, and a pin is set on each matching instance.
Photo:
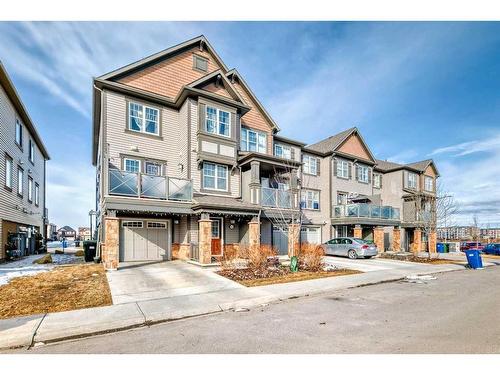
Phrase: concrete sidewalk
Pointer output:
(29, 330)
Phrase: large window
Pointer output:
(37, 194)
(30, 189)
(132, 165)
(215, 176)
(252, 140)
(309, 199)
(310, 165)
(363, 173)
(143, 119)
(218, 122)
(31, 152)
(343, 168)
(19, 133)
(20, 178)
(412, 180)
(8, 171)
(429, 183)
(282, 151)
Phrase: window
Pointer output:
(215, 229)
(218, 122)
(310, 165)
(153, 169)
(8, 171)
(20, 177)
(309, 199)
(282, 151)
(143, 119)
(412, 180)
(31, 152)
(37, 194)
(156, 225)
(200, 63)
(30, 189)
(429, 183)
(252, 140)
(343, 168)
(132, 224)
(132, 165)
(19, 133)
(342, 198)
(363, 173)
(214, 176)
(377, 180)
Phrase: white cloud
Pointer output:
(470, 147)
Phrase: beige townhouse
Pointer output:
(189, 163)
(23, 215)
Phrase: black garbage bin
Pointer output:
(89, 248)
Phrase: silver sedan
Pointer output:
(350, 247)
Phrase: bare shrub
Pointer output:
(229, 257)
(311, 257)
(257, 256)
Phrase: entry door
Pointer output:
(216, 236)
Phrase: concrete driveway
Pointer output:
(135, 282)
(377, 264)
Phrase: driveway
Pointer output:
(135, 282)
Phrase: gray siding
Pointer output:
(231, 235)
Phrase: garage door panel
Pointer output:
(143, 244)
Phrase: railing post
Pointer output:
(139, 184)
(167, 187)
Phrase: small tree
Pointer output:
(475, 231)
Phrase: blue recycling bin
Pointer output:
(440, 247)
(474, 259)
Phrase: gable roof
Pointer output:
(67, 228)
(156, 57)
(218, 74)
(14, 97)
(418, 166)
(234, 73)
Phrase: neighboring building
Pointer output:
(23, 215)
(83, 233)
(189, 163)
(490, 233)
(467, 233)
(51, 232)
(66, 233)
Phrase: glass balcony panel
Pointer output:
(386, 212)
(352, 210)
(284, 199)
(376, 211)
(364, 210)
(123, 183)
(153, 187)
(269, 197)
(179, 189)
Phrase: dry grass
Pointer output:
(47, 258)
(79, 253)
(61, 289)
(417, 259)
(296, 276)
(311, 257)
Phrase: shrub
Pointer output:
(256, 256)
(47, 258)
(58, 251)
(79, 253)
(311, 257)
(228, 258)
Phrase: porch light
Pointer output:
(176, 221)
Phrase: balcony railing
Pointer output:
(276, 198)
(147, 186)
(367, 210)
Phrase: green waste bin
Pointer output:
(89, 249)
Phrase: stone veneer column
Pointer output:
(432, 242)
(293, 240)
(358, 231)
(378, 238)
(396, 239)
(417, 240)
(110, 252)
(205, 239)
(254, 233)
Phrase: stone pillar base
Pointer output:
(254, 234)
(180, 251)
(432, 242)
(293, 240)
(417, 241)
(358, 231)
(205, 241)
(378, 238)
(396, 239)
(111, 248)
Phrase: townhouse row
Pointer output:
(189, 163)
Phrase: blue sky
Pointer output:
(416, 90)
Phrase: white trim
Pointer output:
(143, 118)
(217, 121)
(215, 177)
(164, 223)
(131, 159)
(257, 135)
(124, 222)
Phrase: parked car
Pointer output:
(492, 248)
(350, 247)
(472, 245)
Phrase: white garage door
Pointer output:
(310, 235)
(144, 240)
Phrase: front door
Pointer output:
(216, 237)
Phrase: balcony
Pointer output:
(366, 210)
(141, 185)
(275, 198)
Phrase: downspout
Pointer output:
(98, 203)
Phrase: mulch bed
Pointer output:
(278, 275)
(416, 259)
(61, 289)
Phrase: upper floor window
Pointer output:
(132, 165)
(37, 194)
(429, 183)
(143, 119)
(252, 140)
(31, 154)
(30, 189)
(218, 122)
(310, 165)
(309, 199)
(343, 168)
(377, 180)
(412, 180)
(282, 151)
(19, 133)
(215, 176)
(20, 178)
(342, 198)
(8, 171)
(200, 63)
(363, 173)
(152, 168)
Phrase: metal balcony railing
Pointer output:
(147, 186)
(276, 198)
(366, 210)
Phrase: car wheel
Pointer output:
(352, 254)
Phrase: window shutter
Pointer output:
(334, 167)
(292, 153)
(201, 116)
(380, 180)
(350, 171)
(318, 167)
(233, 131)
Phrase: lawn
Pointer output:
(60, 289)
(417, 259)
